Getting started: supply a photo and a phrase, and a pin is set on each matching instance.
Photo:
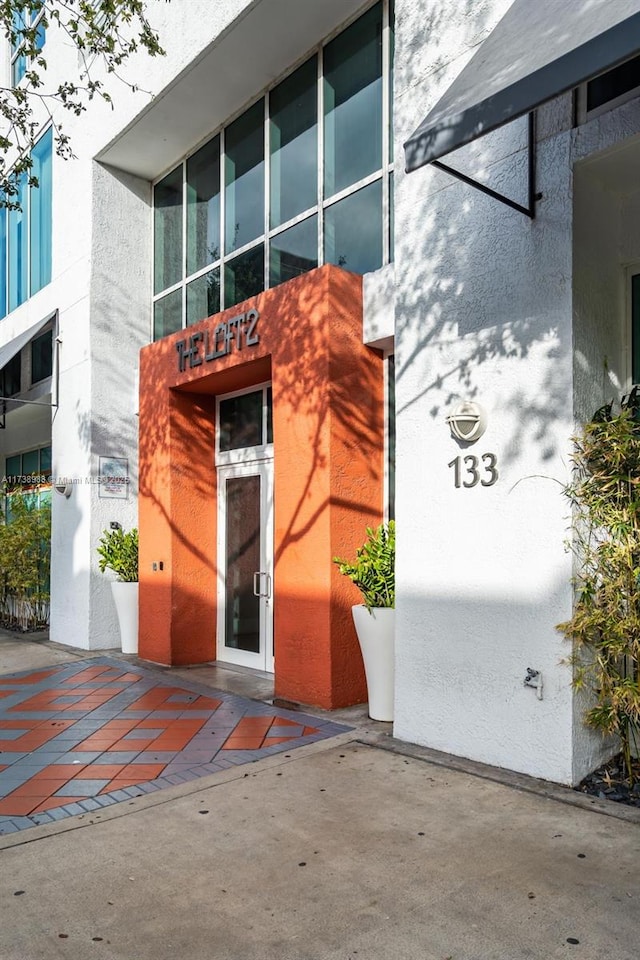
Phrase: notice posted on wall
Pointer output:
(113, 478)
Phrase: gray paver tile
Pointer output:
(89, 805)
(82, 788)
(72, 809)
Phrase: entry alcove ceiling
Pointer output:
(250, 54)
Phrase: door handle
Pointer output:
(257, 592)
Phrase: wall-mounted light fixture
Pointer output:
(64, 489)
(467, 421)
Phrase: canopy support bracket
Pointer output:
(533, 197)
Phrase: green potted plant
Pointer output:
(118, 552)
(373, 573)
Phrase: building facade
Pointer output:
(238, 299)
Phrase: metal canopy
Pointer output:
(14, 346)
(7, 353)
(540, 49)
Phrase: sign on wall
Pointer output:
(113, 478)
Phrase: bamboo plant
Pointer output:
(605, 626)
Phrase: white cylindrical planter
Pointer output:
(376, 634)
(126, 600)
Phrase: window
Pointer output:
(10, 377)
(245, 425)
(25, 234)
(42, 357)
(31, 22)
(303, 177)
(609, 90)
(30, 470)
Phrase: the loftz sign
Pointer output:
(233, 334)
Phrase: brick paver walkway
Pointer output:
(92, 733)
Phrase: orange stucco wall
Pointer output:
(328, 479)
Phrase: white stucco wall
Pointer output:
(483, 312)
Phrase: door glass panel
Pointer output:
(269, 415)
(242, 626)
(241, 422)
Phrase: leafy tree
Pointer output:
(25, 553)
(104, 32)
(605, 626)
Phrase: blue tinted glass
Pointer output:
(31, 463)
(13, 466)
(293, 106)
(3, 262)
(18, 247)
(18, 69)
(244, 178)
(45, 460)
(40, 201)
(353, 103)
(41, 36)
(353, 230)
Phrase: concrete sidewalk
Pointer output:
(340, 850)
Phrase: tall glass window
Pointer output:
(19, 247)
(203, 206)
(167, 234)
(40, 214)
(302, 177)
(22, 19)
(293, 106)
(353, 103)
(244, 178)
(26, 234)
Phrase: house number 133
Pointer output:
(470, 471)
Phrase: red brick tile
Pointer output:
(99, 771)
(54, 802)
(308, 731)
(18, 724)
(20, 806)
(39, 788)
(57, 771)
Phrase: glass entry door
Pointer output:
(245, 564)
